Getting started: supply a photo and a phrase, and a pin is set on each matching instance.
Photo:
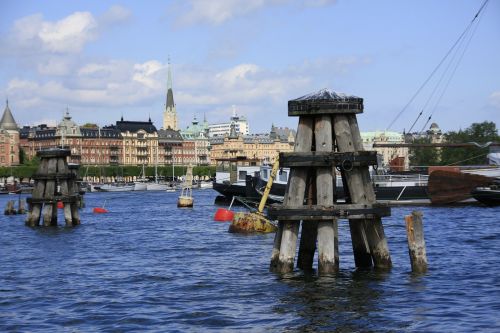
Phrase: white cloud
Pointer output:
(216, 12)
(318, 3)
(33, 35)
(105, 89)
(55, 66)
(219, 11)
(70, 34)
(115, 14)
(495, 99)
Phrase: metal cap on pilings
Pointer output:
(325, 101)
(53, 152)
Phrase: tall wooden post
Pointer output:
(283, 260)
(325, 192)
(334, 117)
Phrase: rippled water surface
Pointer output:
(148, 266)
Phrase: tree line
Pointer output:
(480, 133)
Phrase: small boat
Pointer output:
(140, 186)
(117, 187)
(205, 185)
(156, 187)
(488, 195)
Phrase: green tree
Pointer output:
(424, 156)
(480, 133)
(22, 156)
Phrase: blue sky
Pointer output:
(105, 59)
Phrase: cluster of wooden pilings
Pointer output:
(327, 138)
(55, 182)
(10, 208)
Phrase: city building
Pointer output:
(262, 147)
(170, 113)
(140, 142)
(195, 136)
(101, 145)
(388, 155)
(222, 129)
(89, 144)
(9, 138)
(171, 146)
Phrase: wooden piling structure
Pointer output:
(327, 139)
(9, 208)
(52, 175)
(416, 242)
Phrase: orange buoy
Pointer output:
(223, 215)
(99, 210)
(60, 205)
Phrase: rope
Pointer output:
(459, 40)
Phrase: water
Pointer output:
(148, 266)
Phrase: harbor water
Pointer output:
(148, 266)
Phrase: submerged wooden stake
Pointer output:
(416, 242)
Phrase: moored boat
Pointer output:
(231, 174)
(117, 187)
(488, 195)
(387, 187)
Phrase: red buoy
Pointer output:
(60, 205)
(223, 215)
(99, 210)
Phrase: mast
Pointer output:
(156, 166)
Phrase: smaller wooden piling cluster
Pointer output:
(10, 208)
(52, 175)
(327, 138)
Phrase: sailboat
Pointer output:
(140, 183)
(156, 186)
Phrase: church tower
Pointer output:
(170, 114)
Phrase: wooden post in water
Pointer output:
(325, 190)
(9, 209)
(282, 261)
(416, 242)
(309, 233)
(52, 173)
(333, 117)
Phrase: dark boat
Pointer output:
(489, 195)
(231, 176)
(388, 187)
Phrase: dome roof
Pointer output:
(434, 125)
(68, 127)
(8, 122)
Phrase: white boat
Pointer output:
(140, 186)
(156, 187)
(117, 187)
(205, 185)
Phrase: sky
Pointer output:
(102, 60)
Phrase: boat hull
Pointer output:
(116, 188)
(156, 187)
(382, 193)
(487, 196)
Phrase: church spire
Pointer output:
(170, 114)
(170, 93)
